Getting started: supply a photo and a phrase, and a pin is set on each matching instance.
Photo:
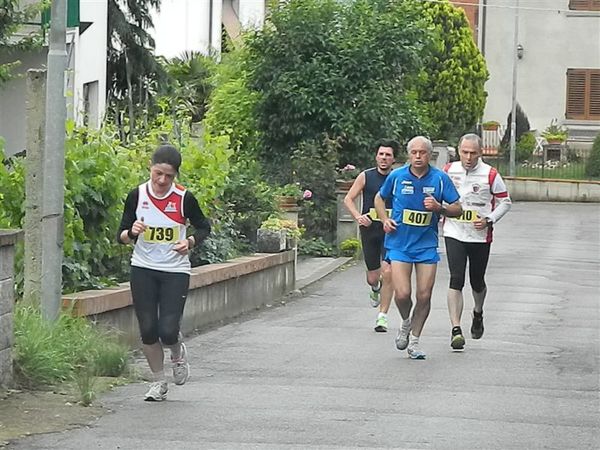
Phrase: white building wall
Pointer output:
(554, 39)
(87, 65)
(186, 25)
(252, 13)
(89, 61)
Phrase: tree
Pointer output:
(12, 18)
(339, 68)
(190, 83)
(453, 79)
(133, 72)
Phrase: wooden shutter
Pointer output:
(584, 5)
(594, 112)
(583, 94)
(576, 93)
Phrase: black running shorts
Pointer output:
(372, 238)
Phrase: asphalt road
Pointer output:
(314, 374)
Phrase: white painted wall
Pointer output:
(90, 59)
(87, 64)
(553, 40)
(252, 13)
(183, 25)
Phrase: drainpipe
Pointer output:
(482, 25)
(210, 25)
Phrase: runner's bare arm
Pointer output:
(357, 187)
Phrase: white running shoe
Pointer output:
(157, 392)
(415, 352)
(181, 367)
(402, 337)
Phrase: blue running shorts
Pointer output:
(427, 256)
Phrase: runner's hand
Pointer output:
(389, 225)
(182, 247)
(431, 204)
(364, 220)
(138, 227)
(481, 223)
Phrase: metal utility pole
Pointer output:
(54, 163)
(513, 120)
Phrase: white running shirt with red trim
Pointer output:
(166, 225)
(482, 194)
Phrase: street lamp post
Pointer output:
(54, 164)
(513, 120)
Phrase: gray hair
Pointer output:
(423, 139)
(471, 137)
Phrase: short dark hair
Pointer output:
(167, 154)
(394, 145)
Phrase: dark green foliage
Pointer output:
(12, 15)
(522, 124)
(525, 147)
(248, 198)
(133, 74)
(592, 167)
(324, 66)
(452, 82)
(313, 167)
(190, 83)
(315, 247)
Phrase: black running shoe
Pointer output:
(477, 326)
(457, 342)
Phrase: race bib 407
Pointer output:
(416, 218)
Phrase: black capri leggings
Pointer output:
(158, 300)
(458, 252)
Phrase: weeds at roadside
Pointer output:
(71, 349)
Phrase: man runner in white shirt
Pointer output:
(485, 200)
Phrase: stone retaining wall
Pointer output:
(8, 238)
(217, 292)
(552, 190)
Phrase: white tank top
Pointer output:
(166, 225)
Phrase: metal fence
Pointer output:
(547, 161)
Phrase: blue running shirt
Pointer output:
(417, 228)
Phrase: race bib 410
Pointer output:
(468, 215)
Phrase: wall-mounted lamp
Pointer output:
(519, 51)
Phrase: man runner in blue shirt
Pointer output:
(420, 195)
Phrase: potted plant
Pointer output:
(276, 234)
(490, 125)
(289, 195)
(555, 133)
(346, 176)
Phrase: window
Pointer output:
(584, 5)
(583, 94)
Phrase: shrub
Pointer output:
(592, 167)
(315, 247)
(525, 147)
(522, 124)
(350, 247)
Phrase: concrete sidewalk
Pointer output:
(314, 374)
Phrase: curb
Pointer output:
(321, 272)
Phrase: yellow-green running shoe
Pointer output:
(381, 326)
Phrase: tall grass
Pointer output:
(69, 349)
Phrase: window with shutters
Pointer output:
(584, 5)
(583, 94)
